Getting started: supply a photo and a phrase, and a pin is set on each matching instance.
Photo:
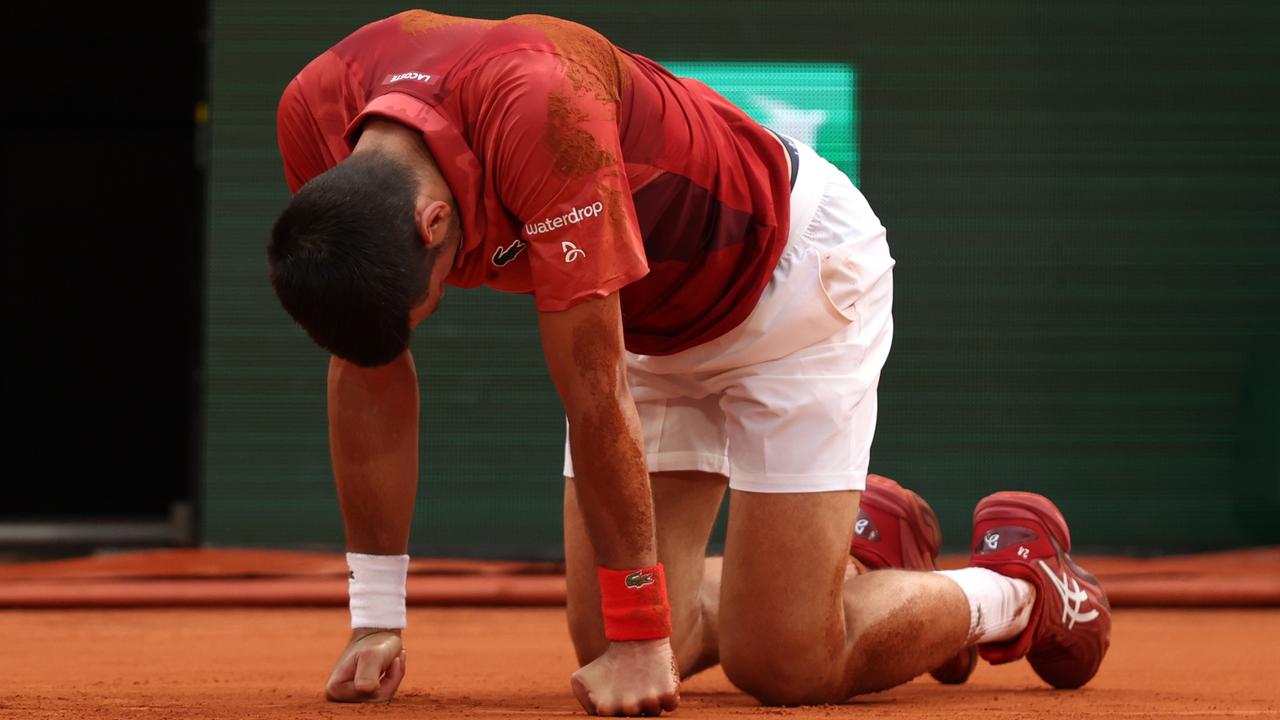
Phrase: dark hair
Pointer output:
(347, 261)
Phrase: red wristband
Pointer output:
(634, 603)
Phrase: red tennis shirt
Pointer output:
(578, 168)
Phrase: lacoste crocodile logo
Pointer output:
(504, 255)
(638, 579)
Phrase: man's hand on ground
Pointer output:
(369, 669)
(630, 678)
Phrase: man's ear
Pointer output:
(433, 222)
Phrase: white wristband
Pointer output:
(375, 587)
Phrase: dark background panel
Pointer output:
(1082, 198)
(103, 202)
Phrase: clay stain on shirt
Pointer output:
(575, 151)
(592, 65)
(420, 21)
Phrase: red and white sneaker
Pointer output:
(1023, 535)
(896, 528)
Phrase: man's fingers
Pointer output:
(368, 671)
(649, 706)
(343, 693)
(584, 697)
(613, 707)
(391, 680)
(624, 707)
(671, 700)
(366, 682)
(338, 688)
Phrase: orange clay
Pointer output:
(192, 664)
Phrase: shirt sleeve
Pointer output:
(299, 148)
(551, 143)
(311, 119)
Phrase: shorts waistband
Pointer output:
(808, 188)
(792, 153)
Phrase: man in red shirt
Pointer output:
(714, 306)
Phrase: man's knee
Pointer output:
(783, 637)
(780, 671)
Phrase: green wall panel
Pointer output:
(1082, 198)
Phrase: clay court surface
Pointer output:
(505, 662)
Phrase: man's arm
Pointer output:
(584, 351)
(373, 443)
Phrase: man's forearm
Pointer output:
(613, 483)
(584, 348)
(373, 443)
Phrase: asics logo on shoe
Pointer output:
(638, 579)
(1073, 597)
(866, 529)
(999, 538)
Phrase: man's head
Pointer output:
(360, 254)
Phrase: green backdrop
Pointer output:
(1082, 199)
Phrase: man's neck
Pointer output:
(402, 143)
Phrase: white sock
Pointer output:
(999, 606)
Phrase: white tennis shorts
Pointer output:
(786, 401)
